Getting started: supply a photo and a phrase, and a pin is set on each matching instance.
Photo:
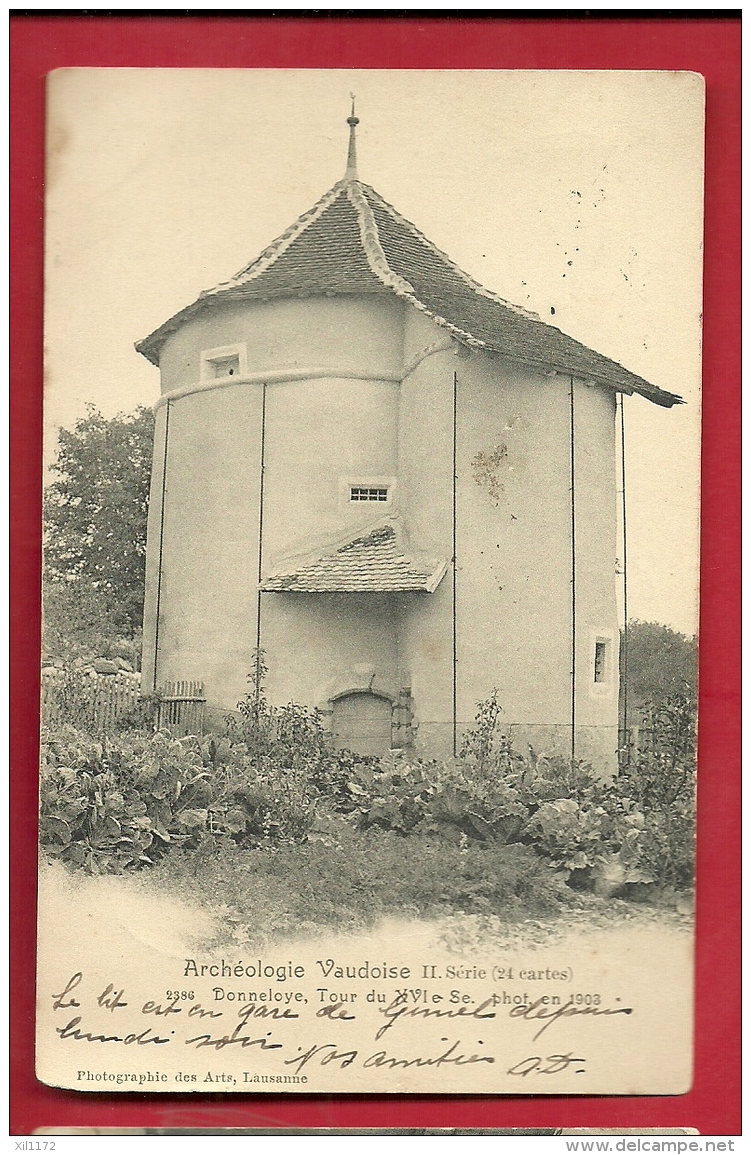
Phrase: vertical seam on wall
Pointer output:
(161, 547)
(453, 565)
(260, 539)
(573, 569)
(625, 582)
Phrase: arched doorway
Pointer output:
(361, 721)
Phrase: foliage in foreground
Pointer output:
(275, 786)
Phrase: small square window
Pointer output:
(224, 366)
(224, 362)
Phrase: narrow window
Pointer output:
(601, 653)
(368, 493)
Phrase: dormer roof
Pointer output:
(353, 242)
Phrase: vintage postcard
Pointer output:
(372, 426)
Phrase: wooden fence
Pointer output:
(95, 702)
(87, 700)
(182, 706)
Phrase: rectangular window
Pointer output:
(601, 656)
(368, 493)
(224, 366)
(225, 362)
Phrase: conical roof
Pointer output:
(353, 242)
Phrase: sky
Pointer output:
(574, 191)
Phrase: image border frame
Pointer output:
(709, 45)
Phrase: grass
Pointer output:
(348, 880)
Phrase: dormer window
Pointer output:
(223, 363)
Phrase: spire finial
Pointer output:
(352, 121)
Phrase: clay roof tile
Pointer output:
(353, 242)
(369, 563)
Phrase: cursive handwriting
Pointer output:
(222, 1041)
(71, 1031)
(540, 1010)
(71, 985)
(335, 1011)
(550, 1065)
(398, 1008)
(328, 1053)
(381, 1059)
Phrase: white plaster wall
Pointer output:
(153, 529)
(317, 430)
(358, 333)
(320, 644)
(513, 519)
(597, 549)
(513, 544)
(209, 542)
(425, 469)
(513, 548)
(317, 433)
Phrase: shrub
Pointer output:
(274, 782)
(660, 776)
(292, 737)
(637, 829)
(435, 798)
(122, 802)
(110, 805)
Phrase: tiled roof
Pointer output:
(371, 563)
(353, 242)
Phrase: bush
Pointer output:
(660, 777)
(274, 786)
(663, 667)
(634, 831)
(106, 806)
(292, 738)
(80, 623)
(122, 802)
(435, 798)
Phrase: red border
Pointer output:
(710, 46)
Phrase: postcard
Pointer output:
(372, 431)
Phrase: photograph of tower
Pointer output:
(410, 482)
(369, 673)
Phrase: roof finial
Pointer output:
(352, 121)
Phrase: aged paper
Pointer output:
(353, 780)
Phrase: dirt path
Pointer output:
(132, 908)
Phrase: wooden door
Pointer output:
(362, 722)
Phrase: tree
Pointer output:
(96, 509)
(662, 666)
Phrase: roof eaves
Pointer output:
(437, 576)
(634, 384)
